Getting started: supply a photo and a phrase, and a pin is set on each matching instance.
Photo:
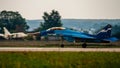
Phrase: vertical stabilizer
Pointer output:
(105, 32)
(6, 33)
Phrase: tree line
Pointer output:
(14, 22)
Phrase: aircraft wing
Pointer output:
(71, 33)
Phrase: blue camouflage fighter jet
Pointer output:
(103, 35)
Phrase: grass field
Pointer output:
(59, 60)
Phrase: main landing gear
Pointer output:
(62, 45)
(84, 45)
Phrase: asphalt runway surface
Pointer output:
(35, 49)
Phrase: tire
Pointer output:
(84, 45)
(62, 45)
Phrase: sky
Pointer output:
(74, 9)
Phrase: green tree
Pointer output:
(12, 21)
(51, 20)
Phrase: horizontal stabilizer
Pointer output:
(112, 39)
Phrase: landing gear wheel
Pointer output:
(62, 45)
(84, 45)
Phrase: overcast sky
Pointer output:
(77, 9)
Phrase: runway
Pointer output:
(35, 49)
